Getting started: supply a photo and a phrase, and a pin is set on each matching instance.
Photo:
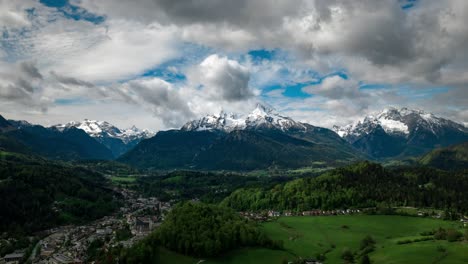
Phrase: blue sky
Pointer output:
(158, 64)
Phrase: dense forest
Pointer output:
(37, 194)
(449, 158)
(361, 185)
(210, 187)
(199, 229)
(194, 229)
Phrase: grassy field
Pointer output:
(307, 236)
(123, 179)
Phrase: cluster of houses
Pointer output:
(69, 244)
(464, 221)
(268, 214)
(145, 214)
(13, 258)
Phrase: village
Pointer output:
(136, 219)
(271, 214)
(69, 244)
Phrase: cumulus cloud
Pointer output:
(372, 41)
(160, 97)
(21, 83)
(336, 87)
(126, 50)
(13, 14)
(222, 79)
(418, 44)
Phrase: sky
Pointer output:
(157, 64)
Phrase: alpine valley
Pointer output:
(257, 187)
(234, 132)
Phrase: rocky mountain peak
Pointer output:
(261, 117)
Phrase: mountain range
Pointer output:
(118, 141)
(261, 139)
(401, 132)
(72, 141)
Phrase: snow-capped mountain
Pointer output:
(18, 124)
(397, 129)
(117, 140)
(98, 129)
(262, 138)
(261, 117)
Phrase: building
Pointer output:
(12, 258)
(273, 214)
(143, 225)
(61, 259)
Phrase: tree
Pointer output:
(203, 230)
(347, 256)
(367, 241)
(453, 235)
(365, 260)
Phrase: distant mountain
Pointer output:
(262, 117)
(262, 139)
(117, 140)
(5, 125)
(450, 158)
(402, 132)
(68, 144)
(8, 143)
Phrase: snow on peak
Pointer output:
(394, 121)
(100, 129)
(262, 116)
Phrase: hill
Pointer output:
(450, 158)
(38, 193)
(360, 185)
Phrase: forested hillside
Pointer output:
(37, 194)
(197, 229)
(363, 184)
(450, 158)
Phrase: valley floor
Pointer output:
(306, 236)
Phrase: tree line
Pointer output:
(360, 185)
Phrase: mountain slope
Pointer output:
(169, 149)
(69, 144)
(5, 125)
(361, 185)
(38, 193)
(259, 140)
(117, 140)
(402, 132)
(451, 158)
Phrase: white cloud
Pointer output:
(372, 41)
(128, 49)
(13, 14)
(335, 87)
(222, 79)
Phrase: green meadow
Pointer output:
(305, 237)
(123, 179)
